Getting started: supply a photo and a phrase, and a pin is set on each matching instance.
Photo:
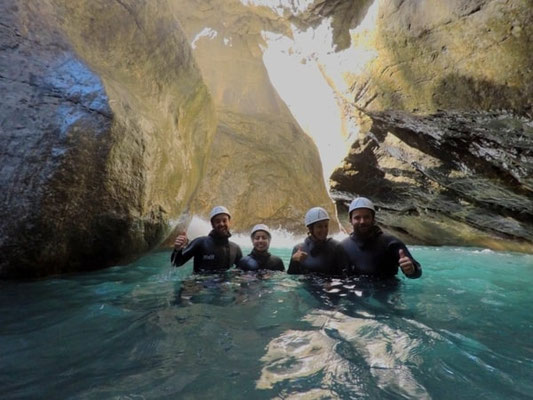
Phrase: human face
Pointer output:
(261, 241)
(221, 224)
(362, 220)
(319, 230)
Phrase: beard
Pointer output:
(222, 232)
(363, 231)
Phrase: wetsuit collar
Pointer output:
(260, 254)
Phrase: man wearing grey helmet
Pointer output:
(318, 253)
(213, 252)
(260, 258)
(373, 253)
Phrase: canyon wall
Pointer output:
(104, 121)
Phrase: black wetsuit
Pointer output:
(376, 255)
(211, 253)
(326, 258)
(256, 261)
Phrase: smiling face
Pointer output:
(319, 230)
(221, 224)
(261, 241)
(362, 220)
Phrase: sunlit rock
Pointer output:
(448, 178)
(262, 165)
(104, 124)
(445, 114)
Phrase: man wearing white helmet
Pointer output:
(260, 258)
(213, 252)
(318, 253)
(370, 251)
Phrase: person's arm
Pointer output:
(279, 265)
(341, 260)
(298, 255)
(238, 257)
(241, 264)
(181, 255)
(409, 266)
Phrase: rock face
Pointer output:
(450, 178)
(262, 166)
(103, 125)
(459, 55)
(447, 150)
(121, 117)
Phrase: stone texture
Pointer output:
(446, 179)
(262, 165)
(446, 116)
(108, 122)
(461, 54)
(104, 123)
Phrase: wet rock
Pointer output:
(452, 178)
(262, 165)
(102, 113)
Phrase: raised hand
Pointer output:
(406, 264)
(181, 241)
(299, 255)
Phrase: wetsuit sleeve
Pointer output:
(341, 260)
(242, 264)
(396, 246)
(238, 256)
(180, 257)
(294, 266)
(418, 267)
(280, 266)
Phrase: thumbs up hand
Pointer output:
(181, 241)
(406, 264)
(299, 255)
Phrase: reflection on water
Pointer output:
(340, 343)
(149, 331)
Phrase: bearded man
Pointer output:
(213, 252)
(373, 253)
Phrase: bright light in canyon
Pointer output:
(308, 74)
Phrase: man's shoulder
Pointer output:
(349, 240)
(274, 258)
(334, 243)
(388, 238)
(200, 239)
(231, 243)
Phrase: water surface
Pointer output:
(150, 331)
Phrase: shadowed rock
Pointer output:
(448, 178)
(101, 119)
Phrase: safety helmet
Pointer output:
(218, 210)
(361, 202)
(260, 227)
(315, 214)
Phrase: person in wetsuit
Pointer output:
(318, 253)
(260, 258)
(373, 253)
(213, 252)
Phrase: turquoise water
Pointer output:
(150, 331)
